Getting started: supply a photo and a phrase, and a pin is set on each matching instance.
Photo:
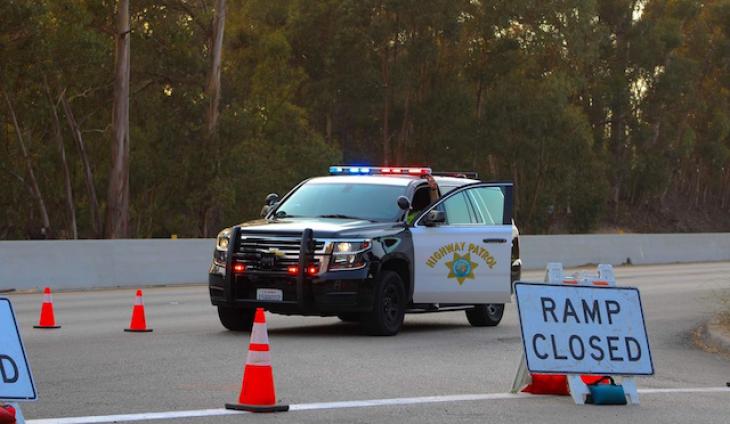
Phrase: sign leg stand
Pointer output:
(578, 389)
(522, 378)
(632, 395)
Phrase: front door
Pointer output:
(467, 258)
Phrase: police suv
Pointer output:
(369, 244)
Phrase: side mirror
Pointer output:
(434, 217)
(265, 211)
(404, 203)
(271, 198)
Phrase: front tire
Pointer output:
(386, 318)
(236, 319)
(488, 315)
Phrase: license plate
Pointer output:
(272, 295)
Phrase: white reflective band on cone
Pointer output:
(47, 298)
(259, 358)
(259, 334)
(138, 300)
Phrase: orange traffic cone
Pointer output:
(7, 414)
(138, 323)
(257, 390)
(48, 319)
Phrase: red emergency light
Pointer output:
(239, 267)
(294, 270)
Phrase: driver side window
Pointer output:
(458, 210)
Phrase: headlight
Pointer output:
(349, 255)
(343, 247)
(224, 237)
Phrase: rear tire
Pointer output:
(386, 318)
(236, 319)
(488, 315)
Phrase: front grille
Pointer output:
(257, 252)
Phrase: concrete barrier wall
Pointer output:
(638, 249)
(65, 264)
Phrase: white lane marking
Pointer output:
(334, 405)
(687, 390)
(136, 417)
(404, 401)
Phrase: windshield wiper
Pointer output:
(341, 216)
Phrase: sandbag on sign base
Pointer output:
(606, 394)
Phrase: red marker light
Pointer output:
(415, 170)
(239, 267)
(312, 270)
(293, 270)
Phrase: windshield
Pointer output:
(343, 200)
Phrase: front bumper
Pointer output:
(331, 293)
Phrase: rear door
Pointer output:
(466, 260)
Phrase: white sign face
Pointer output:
(583, 329)
(16, 382)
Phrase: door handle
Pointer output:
(495, 240)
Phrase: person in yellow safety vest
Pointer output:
(419, 205)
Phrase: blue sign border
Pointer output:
(522, 334)
(25, 357)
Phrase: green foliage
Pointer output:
(592, 107)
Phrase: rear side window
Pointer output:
(489, 203)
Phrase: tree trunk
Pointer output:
(89, 177)
(328, 127)
(64, 163)
(213, 92)
(620, 103)
(214, 79)
(404, 131)
(117, 211)
(35, 189)
(385, 74)
(724, 189)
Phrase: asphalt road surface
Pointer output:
(90, 367)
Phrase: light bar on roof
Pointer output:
(371, 170)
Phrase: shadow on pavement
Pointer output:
(353, 329)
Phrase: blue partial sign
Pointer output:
(583, 329)
(16, 381)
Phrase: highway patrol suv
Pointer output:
(369, 244)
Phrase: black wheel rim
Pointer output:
(391, 305)
(494, 311)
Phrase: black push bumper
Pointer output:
(330, 293)
(324, 295)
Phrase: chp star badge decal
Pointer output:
(461, 267)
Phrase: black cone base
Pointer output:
(146, 330)
(257, 408)
(47, 327)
